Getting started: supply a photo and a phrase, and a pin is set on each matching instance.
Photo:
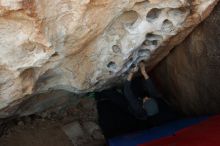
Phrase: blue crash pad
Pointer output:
(154, 133)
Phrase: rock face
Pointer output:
(83, 45)
(190, 75)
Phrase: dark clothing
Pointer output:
(136, 104)
(121, 113)
(114, 115)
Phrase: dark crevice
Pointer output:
(153, 14)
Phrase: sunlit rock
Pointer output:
(83, 45)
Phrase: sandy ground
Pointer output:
(42, 133)
(48, 129)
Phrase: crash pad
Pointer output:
(206, 133)
(148, 135)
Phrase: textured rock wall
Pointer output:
(84, 45)
(190, 75)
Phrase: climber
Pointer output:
(138, 106)
(151, 104)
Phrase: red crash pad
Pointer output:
(206, 133)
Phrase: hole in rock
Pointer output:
(153, 14)
(155, 42)
(110, 72)
(131, 59)
(55, 54)
(149, 44)
(177, 13)
(129, 62)
(152, 39)
(167, 26)
(143, 52)
(151, 36)
(128, 18)
(112, 65)
(116, 49)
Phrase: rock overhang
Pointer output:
(81, 46)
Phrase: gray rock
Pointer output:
(20, 123)
(90, 127)
(93, 130)
(74, 131)
(98, 135)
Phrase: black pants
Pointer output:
(115, 118)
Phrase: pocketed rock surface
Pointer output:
(85, 45)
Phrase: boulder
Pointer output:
(74, 132)
(85, 45)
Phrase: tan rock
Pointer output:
(82, 45)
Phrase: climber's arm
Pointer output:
(134, 103)
(148, 83)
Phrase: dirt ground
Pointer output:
(41, 133)
(48, 129)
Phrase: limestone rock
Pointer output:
(83, 45)
(74, 131)
(191, 72)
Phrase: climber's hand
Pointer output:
(131, 72)
(142, 67)
(143, 71)
(134, 69)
